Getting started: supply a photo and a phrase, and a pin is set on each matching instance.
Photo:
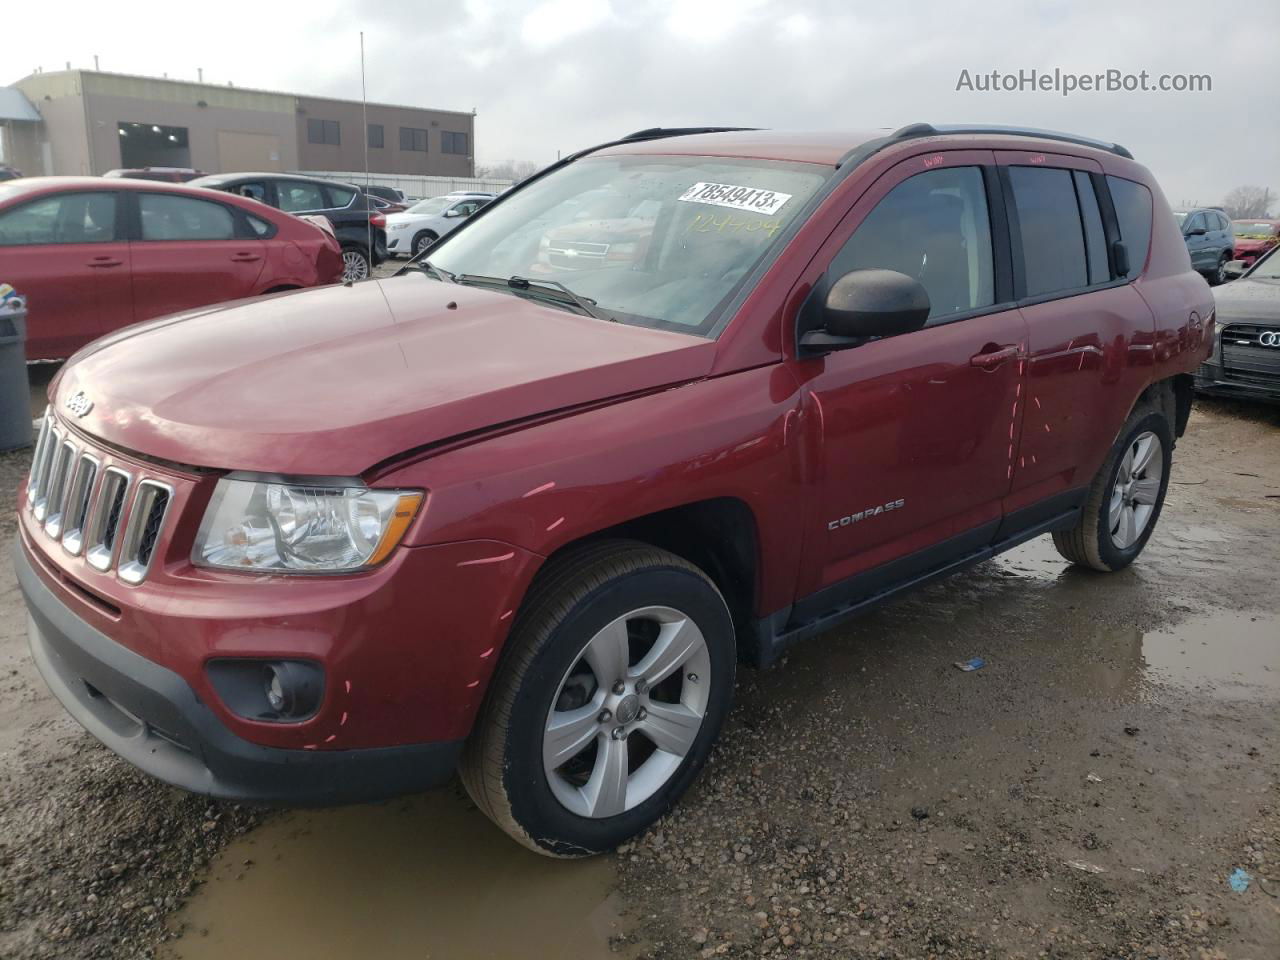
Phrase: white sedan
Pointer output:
(427, 221)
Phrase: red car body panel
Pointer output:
(78, 292)
(1249, 249)
(532, 428)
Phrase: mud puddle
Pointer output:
(1234, 655)
(425, 877)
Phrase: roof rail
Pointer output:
(657, 133)
(930, 130)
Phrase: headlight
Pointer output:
(253, 525)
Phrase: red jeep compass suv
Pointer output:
(339, 543)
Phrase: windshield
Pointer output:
(1246, 228)
(1268, 268)
(1179, 215)
(655, 241)
(432, 207)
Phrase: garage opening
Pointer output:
(153, 145)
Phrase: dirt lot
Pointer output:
(1086, 794)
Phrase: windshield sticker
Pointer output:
(767, 202)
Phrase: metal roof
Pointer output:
(14, 105)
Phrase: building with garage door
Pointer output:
(89, 122)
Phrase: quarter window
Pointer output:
(173, 217)
(935, 228)
(65, 218)
(1053, 251)
(413, 139)
(340, 196)
(453, 142)
(1133, 211)
(298, 195)
(323, 131)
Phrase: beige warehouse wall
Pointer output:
(59, 99)
(349, 153)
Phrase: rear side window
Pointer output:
(173, 217)
(1053, 251)
(64, 218)
(299, 195)
(933, 227)
(1095, 238)
(340, 196)
(1133, 211)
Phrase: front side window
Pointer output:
(453, 142)
(254, 191)
(173, 217)
(323, 131)
(413, 139)
(295, 195)
(1196, 223)
(933, 227)
(64, 218)
(431, 208)
(1133, 211)
(655, 241)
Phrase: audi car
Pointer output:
(1246, 361)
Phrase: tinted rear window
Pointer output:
(1133, 211)
(1053, 252)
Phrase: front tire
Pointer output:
(616, 681)
(423, 240)
(355, 264)
(1125, 498)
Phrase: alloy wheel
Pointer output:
(1136, 490)
(627, 712)
(355, 266)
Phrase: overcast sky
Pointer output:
(561, 74)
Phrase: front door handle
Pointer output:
(992, 356)
(245, 258)
(105, 261)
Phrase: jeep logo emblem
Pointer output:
(79, 404)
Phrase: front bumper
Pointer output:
(1212, 379)
(152, 717)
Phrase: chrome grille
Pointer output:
(107, 513)
(1245, 358)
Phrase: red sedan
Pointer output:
(94, 254)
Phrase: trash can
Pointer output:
(15, 392)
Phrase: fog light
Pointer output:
(275, 691)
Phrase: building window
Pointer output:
(323, 131)
(413, 139)
(454, 143)
(375, 136)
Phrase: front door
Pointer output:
(917, 432)
(66, 253)
(189, 254)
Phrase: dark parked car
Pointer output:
(9, 173)
(93, 255)
(390, 194)
(1246, 361)
(361, 229)
(1210, 240)
(160, 174)
(338, 544)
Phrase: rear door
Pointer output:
(1088, 330)
(67, 253)
(917, 431)
(189, 252)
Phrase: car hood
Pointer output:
(1248, 300)
(334, 380)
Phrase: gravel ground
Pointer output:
(1086, 794)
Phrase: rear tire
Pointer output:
(1125, 498)
(355, 264)
(539, 760)
(1219, 274)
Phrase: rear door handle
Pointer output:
(992, 356)
(244, 258)
(105, 261)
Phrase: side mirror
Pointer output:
(450, 214)
(869, 303)
(1235, 268)
(1196, 232)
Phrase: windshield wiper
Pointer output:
(585, 304)
(444, 276)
